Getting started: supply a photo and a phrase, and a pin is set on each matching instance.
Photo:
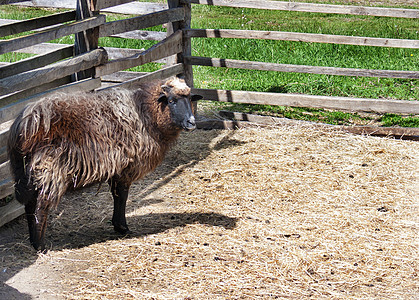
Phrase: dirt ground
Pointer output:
(287, 212)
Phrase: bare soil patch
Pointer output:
(286, 212)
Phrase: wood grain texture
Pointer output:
(297, 100)
(316, 8)
(35, 23)
(13, 209)
(35, 62)
(169, 46)
(10, 112)
(156, 75)
(303, 37)
(253, 65)
(50, 34)
(141, 22)
(49, 73)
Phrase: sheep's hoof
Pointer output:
(122, 229)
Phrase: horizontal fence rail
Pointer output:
(36, 62)
(300, 100)
(261, 66)
(169, 46)
(315, 8)
(10, 112)
(50, 34)
(27, 25)
(49, 73)
(149, 20)
(302, 37)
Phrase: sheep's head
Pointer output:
(177, 96)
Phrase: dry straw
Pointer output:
(286, 212)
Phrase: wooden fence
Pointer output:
(84, 66)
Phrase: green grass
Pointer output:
(285, 52)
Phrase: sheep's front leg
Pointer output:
(120, 194)
(37, 222)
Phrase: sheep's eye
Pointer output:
(172, 100)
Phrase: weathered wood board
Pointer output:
(50, 34)
(35, 23)
(169, 46)
(49, 73)
(254, 65)
(303, 37)
(303, 100)
(316, 8)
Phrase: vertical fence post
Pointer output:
(181, 25)
(88, 40)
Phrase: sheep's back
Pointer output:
(78, 139)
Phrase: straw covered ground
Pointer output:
(286, 212)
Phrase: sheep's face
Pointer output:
(179, 101)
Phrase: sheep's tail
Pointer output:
(19, 164)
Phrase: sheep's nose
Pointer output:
(190, 124)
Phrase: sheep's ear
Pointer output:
(162, 98)
(196, 97)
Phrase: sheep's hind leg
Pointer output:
(120, 194)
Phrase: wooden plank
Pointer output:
(50, 3)
(113, 53)
(316, 8)
(101, 4)
(5, 171)
(3, 155)
(169, 46)
(303, 37)
(136, 8)
(50, 34)
(253, 65)
(11, 111)
(11, 98)
(142, 35)
(35, 23)
(156, 75)
(42, 48)
(132, 8)
(49, 73)
(11, 211)
(328, 102)
(4, 133)
(3, 2)
(35, 62)
(141, 22)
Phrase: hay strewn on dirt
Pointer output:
(287, 212)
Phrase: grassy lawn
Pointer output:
(299, 53)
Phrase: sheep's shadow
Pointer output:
(140, 226)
